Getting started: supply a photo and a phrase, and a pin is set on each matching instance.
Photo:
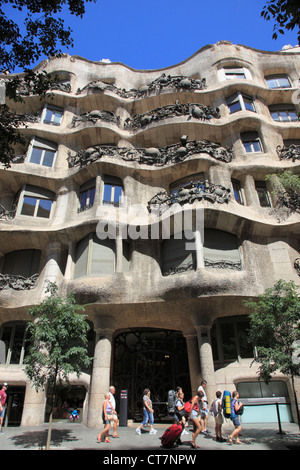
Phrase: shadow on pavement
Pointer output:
(38, 439)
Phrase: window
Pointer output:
(87, 195)
(234, 73)
(237, 191)
(240, 102)
(113, 191)
(176, 256)
(221, 250)
(283, 112)
(42, 152)
(278, 81)
(263, 194)
(229, 338)
(52, 115)
(34, 202)
(23, 263)
(251, 142)
(13, 337)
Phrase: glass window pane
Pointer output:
(92, 196)
(48, 158)
(83, 199)
(256, 146)
(228, 341)
(272, 83)
(6, 336)
(56, 118)
(36, 155)
(17, 344)
(44, 208)
(283, 82)
(234, 107)
(103, 258)
(248, 104)
(48, 116)
(117, 195)
(107, 193)
(248, 147)
(29, 204)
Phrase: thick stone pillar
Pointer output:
(203, 327)
(100, 379)
(34, 406)
(194, 363)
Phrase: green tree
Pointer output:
(286, 14)
(29, 31)
(275, 332)
(57, 337)
(286, 191)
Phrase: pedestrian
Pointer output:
(193, 416)
(147, 412)
(216, 411)
(180, 414)
(3, 397)
(236, 406)
(107, 415)
(203, 406)
(112, 392)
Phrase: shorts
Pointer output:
(110, 419)
(2, 413)
(236, 421)
(219, 419)
(194, 414)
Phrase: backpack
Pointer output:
(214, 409)
(171, 401)
(226, 404)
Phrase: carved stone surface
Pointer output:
(177, 83)
(180, 269)
(9, 281)
(94, 116)
(189, 193)
(153, 156)
(196, 111)
(291, 152)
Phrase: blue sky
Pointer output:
(160, 33)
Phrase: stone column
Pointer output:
(100, 379)
(34, 406)
(203, 326)
(52, 270)
(194, 363)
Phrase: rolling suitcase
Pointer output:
(171, 435)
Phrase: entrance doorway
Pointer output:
(15, 403)
(154, 359)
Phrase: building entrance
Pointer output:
(154, 359)
(14, 408)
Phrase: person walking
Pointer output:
(193, 416)
(203, 406)
(107, 415)
(3, 397)
(147, 412)
(217, 413)
(112, 392)
(235, 408)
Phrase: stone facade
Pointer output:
(115, 144)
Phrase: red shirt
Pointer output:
(3, 397)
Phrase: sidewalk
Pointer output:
(73, 436)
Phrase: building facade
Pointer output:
(146, 194)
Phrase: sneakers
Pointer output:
(153, 431)
(138, 431)
(185, 432)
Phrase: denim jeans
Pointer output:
(148, 416)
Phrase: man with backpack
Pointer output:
(217, 412)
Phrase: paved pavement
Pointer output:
(74, 436)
